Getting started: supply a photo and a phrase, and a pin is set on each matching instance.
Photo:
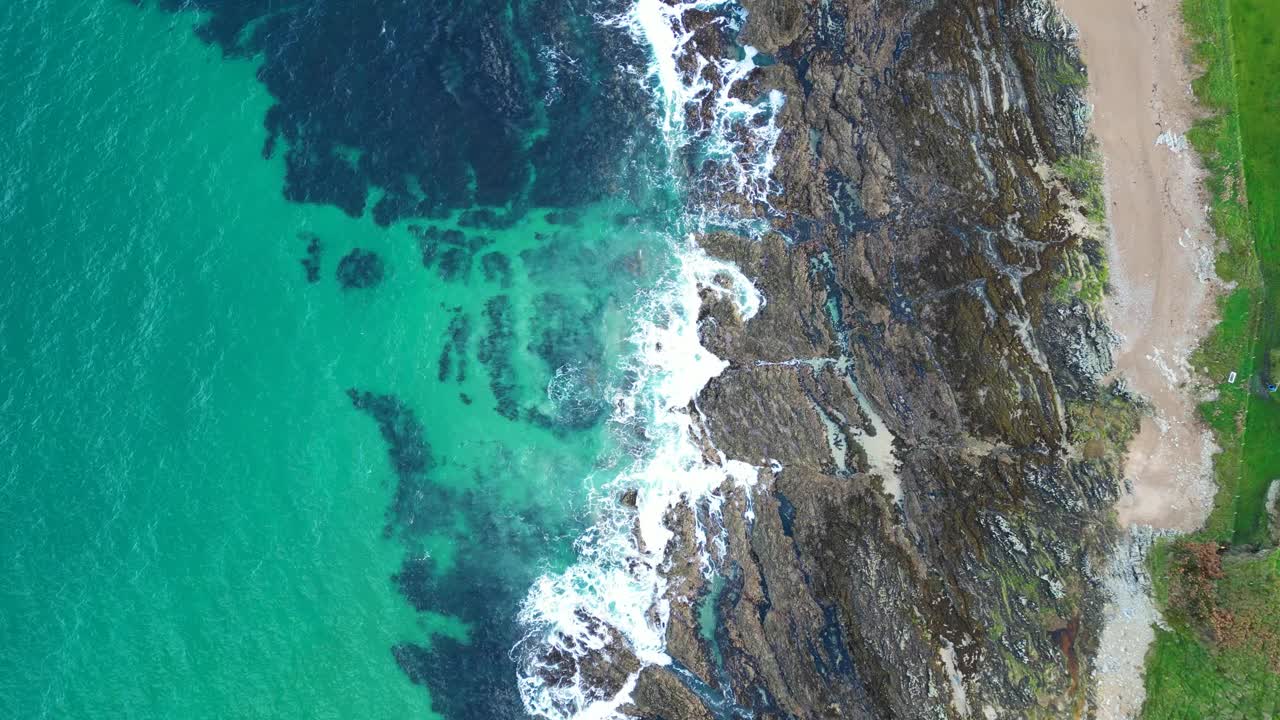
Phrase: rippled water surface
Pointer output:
(246, 472)
(331, 332)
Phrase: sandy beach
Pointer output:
(1161, 254)
(1160, 246)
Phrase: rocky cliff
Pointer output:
(921, 389)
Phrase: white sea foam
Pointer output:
(618, 578)
(617, 584)
(735, 136)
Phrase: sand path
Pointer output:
(1161, 247)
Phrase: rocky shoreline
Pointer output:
(954, 568)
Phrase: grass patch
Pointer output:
(1255, 35)
(1083, 176)
(1083, 277)
(1245, 417)
(1085, 273)
(1233, 672)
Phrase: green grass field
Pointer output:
(1224, 663)
(1240, 145)
(1233, 676)
(1256, 39)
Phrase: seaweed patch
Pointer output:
(449, 251)
(564, 331)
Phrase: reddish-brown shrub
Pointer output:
(1194, 571)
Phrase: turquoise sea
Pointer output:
(196, 521)
(318, 345)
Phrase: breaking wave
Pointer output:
(615, 594)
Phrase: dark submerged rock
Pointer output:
(311, 261)
(360, 270)
(495, 352)
(348, 138)
(480, 587)
(453, 356)
(497, 269)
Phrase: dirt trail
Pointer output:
(1161, 247)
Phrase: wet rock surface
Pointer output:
(923, 537)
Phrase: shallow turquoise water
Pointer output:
(195, 522)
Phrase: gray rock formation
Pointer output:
(924, 531)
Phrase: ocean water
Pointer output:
(330, 333)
